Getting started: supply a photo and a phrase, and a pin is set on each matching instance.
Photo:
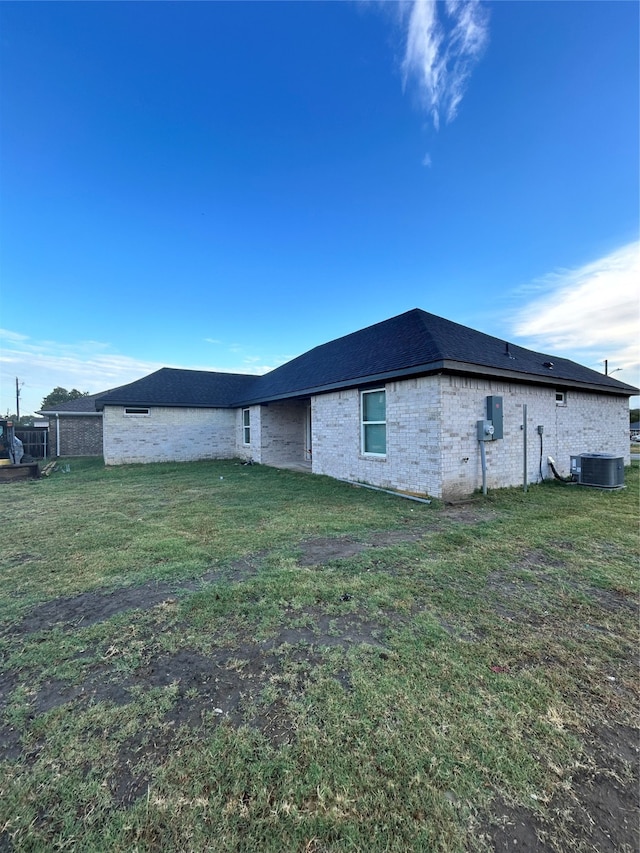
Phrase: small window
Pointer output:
(246, 426)
(374, 422)
(141, 413)
(561, 398)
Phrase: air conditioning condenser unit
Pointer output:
(603, 470)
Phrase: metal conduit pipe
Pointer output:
(483, 459)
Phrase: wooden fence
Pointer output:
(35, 442)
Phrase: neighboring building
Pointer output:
(75, 428)
(394, 405)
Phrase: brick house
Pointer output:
(75, 428)
(394, 405)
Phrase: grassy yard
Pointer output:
(224, 657)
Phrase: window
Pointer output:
(141, 413)
(246, 426)
(561, 398)
(374, 422)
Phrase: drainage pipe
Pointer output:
(483, 459)
(386, 491)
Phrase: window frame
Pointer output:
(136, 412)
(364, 424)
(246, 427)
(561, 397)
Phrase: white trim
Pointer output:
(308, 434)
(364, 423)
(75, 415)
(246, 427)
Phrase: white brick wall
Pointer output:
(283, 432)
(252, 450)
(168, 435)
(595, 423)
(277, 433)
(413, 459)
(432, 446)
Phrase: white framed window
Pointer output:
(246, 426)
(135, 412)
(374, 422)
(561, 398)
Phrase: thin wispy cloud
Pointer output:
(12, 337)
(592, 310)
(92, 366)
(43, 365)
(444, 42)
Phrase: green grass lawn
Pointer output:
(224, 657)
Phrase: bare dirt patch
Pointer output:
(222, 686)
(317, 552)
(89, 608)
(516, 599)
(245, 682)
(598, 810)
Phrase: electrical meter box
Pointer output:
(485, 430)
(494, 414)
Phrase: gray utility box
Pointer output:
(485, 430)
(603, 470)
(494, 414)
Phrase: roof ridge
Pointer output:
(414, 342)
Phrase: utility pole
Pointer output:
(17, 400)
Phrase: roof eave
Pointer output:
(443, 366)
(167, 404)
(60, 412)
(552, 380)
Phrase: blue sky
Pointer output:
(226, 185)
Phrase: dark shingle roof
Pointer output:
(410, 344)
(417, 342)
(81, 405)
(175, 387)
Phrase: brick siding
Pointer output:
(168, 434)
(432, 446)
(79, 435)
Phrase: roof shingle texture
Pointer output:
(175, 387)
(80, 404)
(407, 344)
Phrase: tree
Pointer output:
(61, 395)
(634, 416)
(22, 422)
